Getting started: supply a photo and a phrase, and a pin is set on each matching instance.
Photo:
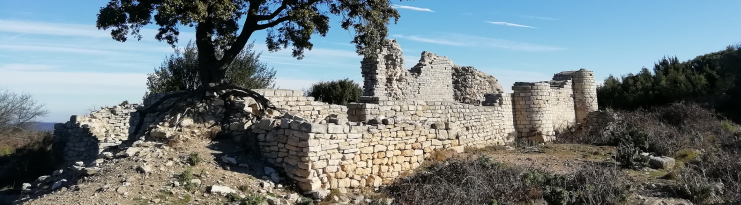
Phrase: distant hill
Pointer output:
(45, 126)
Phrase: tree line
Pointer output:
(709, 79)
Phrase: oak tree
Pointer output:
(217, 25)
(227, 25)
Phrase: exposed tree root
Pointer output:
(184, 102)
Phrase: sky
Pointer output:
(52, 50)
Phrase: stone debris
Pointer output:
(663, 162)
(229, 160)
(222, 190)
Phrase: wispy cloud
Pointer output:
(501, 23)
(53, 49)
(440, 41)
(477, 41)
(26, 67)
(538, 17)
(67, 29)
(396, 6)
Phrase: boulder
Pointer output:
(229, 160)
(222, 190)
(58, 184)
(662, 162)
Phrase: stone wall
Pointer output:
(330, 156)
(470, 85)
(404, 117)
(433, 78)
(83, 137)
(533, 117)
(563, 114)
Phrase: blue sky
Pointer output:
(52, 50)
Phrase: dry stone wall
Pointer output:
(563, 114)
(83, 137)
(433, 78)
(470, 85)
(404, 117)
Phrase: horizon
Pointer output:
(53, 51)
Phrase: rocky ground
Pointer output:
(202, 171)
(153, 173)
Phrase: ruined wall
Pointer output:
(470, 85)
(563, 114)
(83, 137)
(433, 78)
(296, 103)
(330, 156)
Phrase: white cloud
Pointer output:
(396, 6)
(476, 41)
(537, 17)
(53, 49)
(26, 67)
(67, 29)
(501, 23)
(430, 40)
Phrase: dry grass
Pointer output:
(483, 181)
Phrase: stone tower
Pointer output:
(585, 94)
(532, 111)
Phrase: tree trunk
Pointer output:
(210, 73)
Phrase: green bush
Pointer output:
(339, 92)
(180, 71)
(252, 199)
(185, 179)
(194, 158)
(630, 146)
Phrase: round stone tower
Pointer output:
(532, 113)
(585, 94)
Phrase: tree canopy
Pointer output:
(217, 24)
(712, 79)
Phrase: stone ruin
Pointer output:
(403, 117)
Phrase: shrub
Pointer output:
(185, 179)
(669, 128)
(630, 147)
(194, 158)
(180, 71)
(482, 181)
(339, 92)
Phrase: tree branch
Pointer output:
(275, 13)
(272, 23)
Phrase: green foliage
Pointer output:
(729, 126)
(180, 72)
(194, 158)
(185, 179)
(252, 199)
(305, 201)
(6, 150)
(709, 79)
(217, 25)
(339, 92)
(630, 146)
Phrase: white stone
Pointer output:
(222, 190)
